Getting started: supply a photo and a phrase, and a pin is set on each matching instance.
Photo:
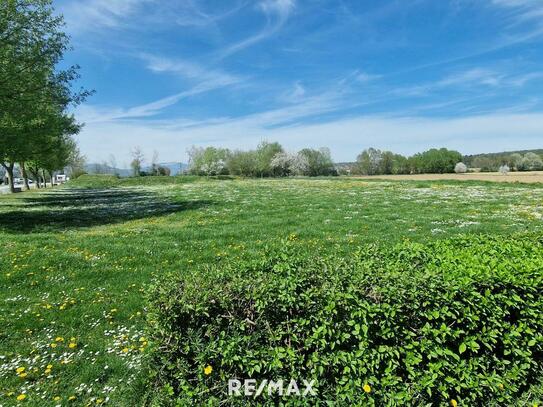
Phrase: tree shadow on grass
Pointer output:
(78, 208)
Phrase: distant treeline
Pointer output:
(526, 160)
(272, 160)
(267, 160)
(376, 162)
(439, 161)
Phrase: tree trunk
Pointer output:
(25, 175)
(36, 174)
(9, 170)
(51, 177)
(44, 179)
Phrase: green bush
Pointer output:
(457, 319)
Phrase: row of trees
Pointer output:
(138, 160)
(271, 160)
(529, 161)
(376, 162)
(35, 127)
(267, 160)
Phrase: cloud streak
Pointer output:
(402, 134)
(277, 13)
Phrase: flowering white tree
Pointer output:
(461, 168)
(504, 169)
(285, 164)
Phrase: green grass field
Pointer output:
(76, 261)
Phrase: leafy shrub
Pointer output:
(460, 168)
(456, 319)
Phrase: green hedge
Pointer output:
(458, 319)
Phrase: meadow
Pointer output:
(78, 261)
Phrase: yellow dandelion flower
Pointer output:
(21, 397)
(500, 386)
(142, 339)
(208, 369)
(56, 398)
(20, 369)
(49, 366)
(99, 401)
(125, 350)
(23, 375)
(367, 388)
(71, 398)
(53, 345)
(72, 345)
(454, 403)
(59, 339)
(47, 371)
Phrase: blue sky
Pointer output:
(346, 74)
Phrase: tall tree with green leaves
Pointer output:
(32, 43)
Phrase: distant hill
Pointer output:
(96, 168)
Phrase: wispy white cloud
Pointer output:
(364, 77)
(190, 14)
(205, 80)
(469, 79)
(475, 76)
(189, 70)
(277, 13)
(94, 15)
(505, 131)
(522, 10)
(93, 114)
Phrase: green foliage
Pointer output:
(208, 161)
(527, 160)
(376, 162)
(242, 163)
(34, 95)
(421, 324)
(319, 162)
(435, 161)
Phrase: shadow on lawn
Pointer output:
(75, 208)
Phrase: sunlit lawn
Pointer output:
(75, 262)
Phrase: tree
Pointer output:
(531, 162)
(319, 162)
(435, 161)
(515, 161)
(208, 161)
(245, 163)
(461, 168)
(264, 155)
(137, 161)
(386, 166)
(400, 165)
(285, 164)
(368, 162)
(154, 163)
(163, 171)
(32, 91)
